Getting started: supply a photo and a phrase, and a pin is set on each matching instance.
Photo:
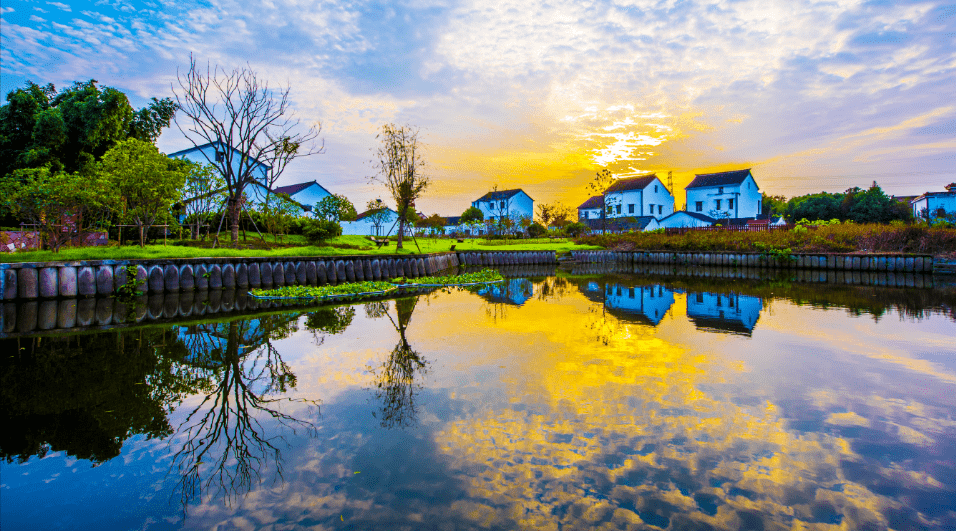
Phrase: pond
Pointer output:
(557, 401)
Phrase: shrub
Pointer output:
(576, 229)
(319, 231)
(535, 230)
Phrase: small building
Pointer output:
(686, 220)
(592, 208)
(645, 304)
(729, 194)
(932, 204)
(643, 195)
(216, 152)
(306, 194)
(513, 204)
(378, 222)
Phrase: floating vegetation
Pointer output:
(355, 290)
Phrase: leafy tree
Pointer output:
(335, 208)
(472, 214)
(70, 130)
(822, 206)
(602, 181)
(319, 231)
(871, 206)
(201, 192)
(774, 205)
(59, 204)
(434, 222)
(252, 123)
(401, 169)
(576, 229)
(377, 213)
(536, 230)
(277, 213)
(554, 214)
(147, 182)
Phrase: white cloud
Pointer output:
(61, 5)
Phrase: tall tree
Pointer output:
(602, 181)
(335, 208)
(148, 182)
(203, 189)
(250, 124)
(401, 168)
(70, 130)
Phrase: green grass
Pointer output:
(292, 246)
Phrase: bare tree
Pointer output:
(602, 181)
(401, 169)
(249, 124)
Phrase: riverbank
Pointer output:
(842, 238)
(294, 246)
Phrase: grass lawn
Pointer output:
(290, 246)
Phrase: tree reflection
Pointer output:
(329, 321)
(87, 394)
(226, 444)
(395, 379)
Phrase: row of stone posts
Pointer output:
(503, 258)
(846, 262)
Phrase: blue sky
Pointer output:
(541, 94)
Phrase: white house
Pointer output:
(216, 152)
(932, 202)
(683, 219)
(306, 194)
(591, 209)
(644, 195)
(622, 224)
(730, 194)
(724, 312)
(646, 304)
(514, 204)
(379, 222)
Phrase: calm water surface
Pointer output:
(561, 402)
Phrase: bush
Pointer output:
(319, 231)
(576, 229)
(535, 230)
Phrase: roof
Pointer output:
(631, 183)
(293, 189)
(694, 215)
(452, 221)
(183, 152)
(373, 211)
(501, 194)
(594, 202)
(726, 326)
(727, 178)
(934, 194)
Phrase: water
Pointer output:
(554, 402)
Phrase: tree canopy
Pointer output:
(70, 130)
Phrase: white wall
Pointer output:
(365, 227)
(651, 301)
(933, 203)
(517, 206)
(655, 194)
(681, 220)
(746, 197)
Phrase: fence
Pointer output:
(728, 228)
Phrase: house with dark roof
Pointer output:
(512, 204)
(727, 313)
(729, 194)
(642, 195)
(647, 304)
(591, 209)
(930, 204)
(306, 194)
(622, 224)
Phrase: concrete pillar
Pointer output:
(228, 276)
(49, 287)
(46, 315)
(171, 278)
(104, 311)
(349, 270)
(171, 304)
(908, 264)
(376, 270)
(85, 312)
(242, 276)
(341, 274)
(202, 277)
(215, 277)
(310, 273)
(265, 275)
(66, 314)
(27, 316)
(85, 281)
(255, 280)
(290, 274)
(10, 284)
(321, 277)
(104, 280)
(28, 284)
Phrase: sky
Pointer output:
(542, 94)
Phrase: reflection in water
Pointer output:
(226, 445)
(647, 303)
(395, 379)
(724, 312)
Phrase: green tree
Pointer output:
(602, 181)
(435, 223)
(378, 214)
(774, 205)
(335, 208)
(822, 206)
(59, 204)
(201, 193)
(278, 211)
(319, 231)
(71, 130)
(472, 214)
(401, 168)
(536, 230)
(147, 182)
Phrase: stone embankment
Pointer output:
(48, 280)
(845, 262)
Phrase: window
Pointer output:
(720, 189)
(585, 214)
(502, 204)
(631, 293)
(651, 209)
(699, 205)
(730, 203)
(655, 188)
(717, 202)
(618, 209)
(219, 155)
(619, 291)
(630, 208)
(660, 210)
(700, 297)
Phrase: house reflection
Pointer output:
(729, 313)
(514, 291)
(647, 304)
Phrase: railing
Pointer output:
(729, 228)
